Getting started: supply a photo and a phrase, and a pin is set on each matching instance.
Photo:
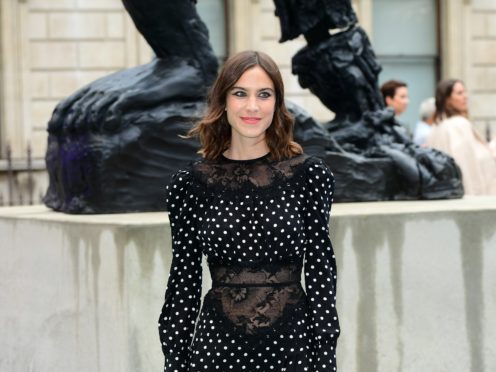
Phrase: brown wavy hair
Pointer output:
(443, 93)
(214, 131)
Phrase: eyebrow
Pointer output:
(260, 90)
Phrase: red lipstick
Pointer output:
(250, 119)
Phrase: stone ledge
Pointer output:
(42, 213)
(468, 203)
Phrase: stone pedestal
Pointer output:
(415, 292)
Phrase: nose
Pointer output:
(252, 104)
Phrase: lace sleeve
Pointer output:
(320, 264)
(183, 294)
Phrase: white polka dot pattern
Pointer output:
(252, 213)
(320, 266)
(182, 297)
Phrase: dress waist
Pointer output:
(216, 284)
(265, 297)
(274, 274)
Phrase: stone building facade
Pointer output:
(50, 48)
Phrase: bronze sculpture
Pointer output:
(113, 144)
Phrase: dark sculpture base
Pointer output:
(110, 156)
(373, 159)
(113, 144)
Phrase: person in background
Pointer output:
(455, 135)
(395, 94)
(423, 128)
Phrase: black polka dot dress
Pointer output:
(261, 224)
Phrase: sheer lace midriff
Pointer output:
(256, 299)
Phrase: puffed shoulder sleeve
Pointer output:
(183, 294)
(320, 264)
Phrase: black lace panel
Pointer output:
(242, 174)
(255, 299)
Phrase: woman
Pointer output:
(255, 205)
(453, 134)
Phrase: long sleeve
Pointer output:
(183, 294)
(320, 264)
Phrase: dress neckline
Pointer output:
(244, 161)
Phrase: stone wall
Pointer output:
(50, 48)
(481, 76)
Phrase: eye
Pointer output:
(265, 94)
(239, 93)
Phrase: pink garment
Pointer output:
(456, 137)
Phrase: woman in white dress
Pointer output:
(455, 135)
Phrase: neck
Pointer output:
(244, 151)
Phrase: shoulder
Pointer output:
(180, 178)
(179, 187)
(457, 122)
(319, 184)
(186, 175)
(304, 161)
(422, 127)
(318, 174)
(453, 128)
(308, 165)
(315, 165)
